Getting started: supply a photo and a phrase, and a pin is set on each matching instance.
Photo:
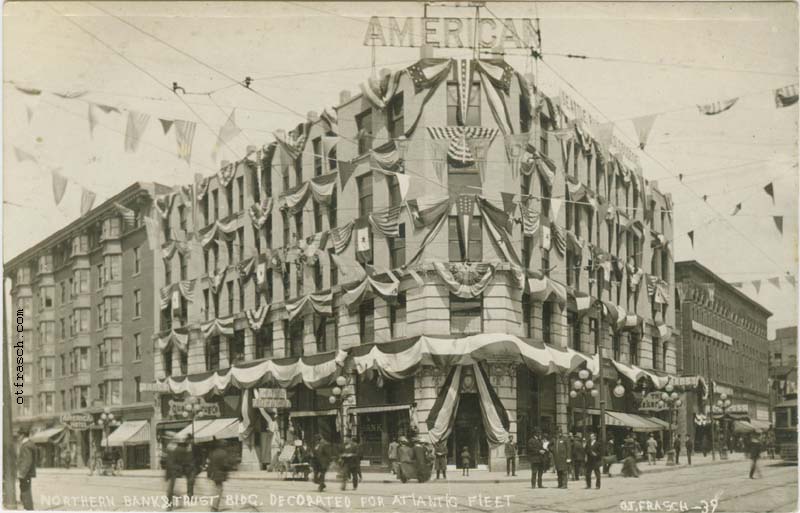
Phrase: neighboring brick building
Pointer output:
(87, 295)
(228, 287)
(722, 337)
(783, 364)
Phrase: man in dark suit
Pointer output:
(26, 467)
(323, 454)
(578, 457)
(562, 457)
(594, 457)
(537, 457)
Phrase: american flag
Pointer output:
(465, 207)
(711, 109)
(184, 135)
(428, 72)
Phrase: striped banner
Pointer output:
(440, 418)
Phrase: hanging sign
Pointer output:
(154, 387)
(650, 402)
(451, 32)
(271, 398)
(176, 409)
(77, 421)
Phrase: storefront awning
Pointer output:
(379, 409)
(50, 435)
(192, 428)
(219, 429)
(636, 422)
(658, 422)
(312, 413)
(742, 426)
(131, 432)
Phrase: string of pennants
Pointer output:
(775, 281)
(769, 190)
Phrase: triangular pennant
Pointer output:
(508, 202)
(757, 285)
(403, 183)
(691, 237)
(643, 125)
(23, 155)
(166, 124)
(87, 200)
(226, 133)
(59, 186)
(736, 209)
(770, 191)
(791, 279)
(555, 207)
(775, 281)
(346, 169)
(778, 223)
(137, 122)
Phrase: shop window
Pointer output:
(466, 315)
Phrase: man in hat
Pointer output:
(511, 454)
(578, 457)
(322, 458)
(26, 467)
(180, 462)
(219, 464)
(349, 463)
(562, 457)
(405, 456)
(594, 456)
(537, 456)
(393, 446)
(440, 453)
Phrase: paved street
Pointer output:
(667, 489)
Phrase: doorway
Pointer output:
(468, 432)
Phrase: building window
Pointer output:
(366, 321)
(466, 315)
(167, 272)
(286, 284)
(318, 275)
(317, 217)
(364, 183)
(215, 201)
(295, 337)
(236, 347)
(298, 224)
(137, 347)
(527, 319)
(332, 211)
(204, 207)
(463, 180)
(100, 276)
(397, 316)
(183, 361)
(114, 391)
(206, 305)
(634, 348)
(394, 117)
(524, 114)
(397, 248)
(229, 247)
(547, 320)
(137, 380)
(257, 239)
(82, 316)
(240, 190)
(473, 109)
(364, 128)
(229, 288)
(573, 325)
(229, 197)
(263, 341)
(457, 250)
(616, 346)
(316, 146)
(334, 272)
(182, 217)
(114, 346)
(182, 261)
(269, 285)
(240, 239)
(113, 310)
(286, 229)
(137, 303)
(212, 353)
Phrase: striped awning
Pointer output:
(192, 428)
(636, 422)
(663, 423)
(217, 429)
(130, 432)
(50, 435)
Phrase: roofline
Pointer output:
(91, 217)
(728, 286)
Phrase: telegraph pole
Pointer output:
(9, 453)
(599, 344)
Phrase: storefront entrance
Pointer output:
(468, 432)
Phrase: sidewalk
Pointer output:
(476, 476)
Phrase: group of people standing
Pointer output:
(567, 455)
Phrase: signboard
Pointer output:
(206, 409)
(685, 381)
(77, 421)
(650, 402)
(271, 398)
(722, 389)
(734, 408)
(762, 412)
(153, 387)
(709, 332)
(449, 32)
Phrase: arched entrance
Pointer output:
(468, 431)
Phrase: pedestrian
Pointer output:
(611, 456)
(440, 453)
(465, 457)
(26, 467)
(219, 464)
(771, 442)
(689, 443)
(578, 457)
(676, 445)
(511, 455)
(652, 450)
(629, 467)
(359, 455)
(536, 456)
(562, 457)
(322, 460)
(349, 463)
(594, 456)
(67, 458)
(180, 462)
(421, 461)
(755, 454)
(405, 457)
(393, 446)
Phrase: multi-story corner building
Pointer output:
(86, 299)
(722, 337)
(375, 245)
(783, 364)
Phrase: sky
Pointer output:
(653, 58)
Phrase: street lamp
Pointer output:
(191, 409)
(723, 403)
(338, 399)
(583, 386)
(107, 421)
(671, 401)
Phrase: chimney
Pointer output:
(312, 116)
(344, 96)
(426, 52)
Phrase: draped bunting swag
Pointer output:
(466, 280)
